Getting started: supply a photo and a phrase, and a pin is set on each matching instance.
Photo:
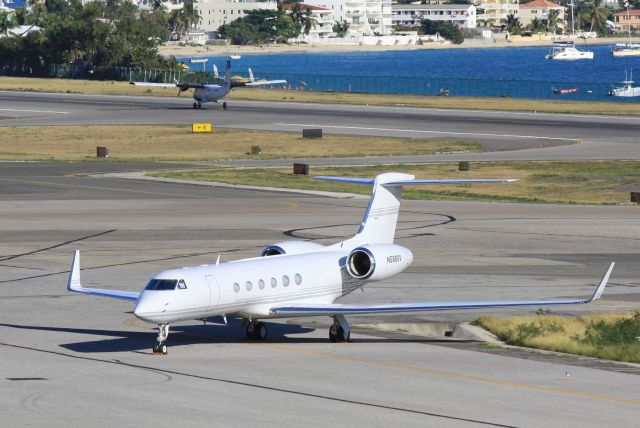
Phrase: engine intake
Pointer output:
(377, 261)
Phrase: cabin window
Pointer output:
(260, 284)
(162, 284)
(248, 285)
(285, 280)
(236, 287)
(182, 285)
(298, 279)
(274, 282)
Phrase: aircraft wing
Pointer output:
(266, 82)
(182, 86)
(73, 284)
(371, 181)
(341, 309)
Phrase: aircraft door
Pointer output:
(214, 288)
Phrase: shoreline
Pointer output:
(214, 50)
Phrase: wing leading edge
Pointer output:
(74, 284)
(340, 309)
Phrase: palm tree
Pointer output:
(513, 24)
(340, 28)
(309, 22)
(597, 16)
(537, 25)
(552, 20)
(7, 21)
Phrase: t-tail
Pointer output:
(379, 222)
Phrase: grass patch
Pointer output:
(586, 182)
(178, 143)
(608, 336)
(478, 103)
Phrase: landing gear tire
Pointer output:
(195, 105)
(257, 331)
(160, 349)
(224, 105)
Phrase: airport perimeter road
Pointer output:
(515, 135)
(73, 360)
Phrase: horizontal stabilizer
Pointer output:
(266, 82)
(340, 309)
(74, 284)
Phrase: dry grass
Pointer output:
(594, 182)
(123, 88)
(609, 336)
(177, 143)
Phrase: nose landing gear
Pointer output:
(163, 332)
(197, 105)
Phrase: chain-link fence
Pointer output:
(513, 88)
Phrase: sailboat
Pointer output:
(627, 89)
(566, 50)
(626, 49)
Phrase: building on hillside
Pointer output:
(540, 9)
(323, 18)
(365, 17)
(462, 15)
(214, 13)
(493, 13)
(632, 20)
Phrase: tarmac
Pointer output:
(70, 360)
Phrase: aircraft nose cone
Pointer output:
(143, 308)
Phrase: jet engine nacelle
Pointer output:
(378, 261)
(291, 247)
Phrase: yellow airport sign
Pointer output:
(201, 127)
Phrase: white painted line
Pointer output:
(477, 134)
(33, 111)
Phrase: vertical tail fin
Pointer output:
(227, 75)
(379, 222)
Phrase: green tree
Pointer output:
(538, 25)
(308, 21)
(513, 24)
(445, 29)
(260, 26)
(596, 16)
(340, 28)
(553, 18)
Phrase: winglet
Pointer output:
(74, 275)
(602, 285)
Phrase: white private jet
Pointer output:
(212, 92)
(298, 278)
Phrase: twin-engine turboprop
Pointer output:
(210, 92)
(298, 278)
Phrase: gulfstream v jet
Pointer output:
(212, 92)
(298, 278)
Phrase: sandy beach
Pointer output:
(214, 50)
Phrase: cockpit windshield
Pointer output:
(162, 284)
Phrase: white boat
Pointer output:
(626, 49)
(627, 89)
(235, 56)
(568, 52)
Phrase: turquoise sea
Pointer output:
(520, 72)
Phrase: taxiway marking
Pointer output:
(420, 131)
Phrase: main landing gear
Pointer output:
(163, 332)
(223, 104)
(256, 330)
(340, 331)
(197, 105)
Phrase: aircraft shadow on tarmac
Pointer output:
(184, 335)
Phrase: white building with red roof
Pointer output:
(365, 17)
(323, 17)
(540, 9)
